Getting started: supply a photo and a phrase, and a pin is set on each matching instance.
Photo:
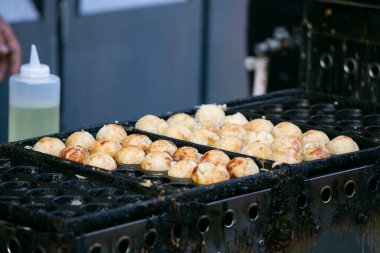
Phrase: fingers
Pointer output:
(3, 68)
(14, 57)
(9, 45)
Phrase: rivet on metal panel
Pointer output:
(253, 211)
(260, 243)
(326, 61)
(124, 245)
(350, 66)
(229, 218)
(13, 245)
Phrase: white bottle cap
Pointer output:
(34, 69)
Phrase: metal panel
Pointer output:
(43, 34)
(227, 78)
(124, 64)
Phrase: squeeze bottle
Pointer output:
(34, 98)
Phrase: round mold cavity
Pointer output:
(96, 207)
(272, 109)
(297, 114)
(157, 179)
(128, 172)
(50, 177)
(324, 119)
(25, 170)
(297, 103)
(150, 238)
(350, 113)
(16, 185)
(371, 119)
(39, 207)
(12, 200)
(350, 66)
(69, 200)
(78, 184)
(350, 124)
(128, 199)
(124, 245)
(42, 192)
(106, 192)
(326, 61)
(63, 214)
(253, 212)
(326, 194)
(182, 186)
(322, 108)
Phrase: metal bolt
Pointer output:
(260, 243)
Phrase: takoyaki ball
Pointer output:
(157, 161)
(210, 112)
(209, 173)
(204, 137)
(81, 138)
(231, 129)
(137, 140)
(105, 146)
(314, 150)
(164, 146)
(286, 129)
(230, 143)
(262, 137)
(49, 145)
(258, 125)
(237, 118)
(111, 132)
(342, 145)
(75, 153)
(186, 153)
(208, 125)
(177, 132)
(290, 156)
(257, 149)
(242, 166)
(182, 119)
(285, 142)
(152, 124)
(182, 169)
(315, 136)
(130, 155)
(101, 160)
(216, 157)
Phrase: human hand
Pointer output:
(10, 52)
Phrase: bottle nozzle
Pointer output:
(34, 59)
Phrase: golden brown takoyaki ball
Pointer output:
(152, 124)
(286, 129)
(314, 150)
(290, 156)
(111, 132)
(207, 125)
(49, 145)
(262, 136)
(106, 146)
(315, 136)
(342, 145)
(258, 125)
(130, 155)
(157, 161)
(186, 153)
(182, 119)
(209, 173)
(164, 146)
(237, 118)
(230, 143)
(216, 157)
(231, 129)
(137, 140)
(257, 149)
(177, 132)
(81, 138)
(101, 160)
(285, 142)
(75, 153)
(242, 166)
(204, 137)
(210, 112)
(182, 169)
